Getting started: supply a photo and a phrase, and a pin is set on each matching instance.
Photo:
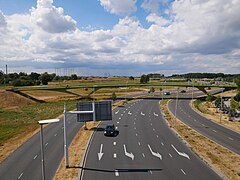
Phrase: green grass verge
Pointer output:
(13, 122)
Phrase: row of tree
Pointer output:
(24, 79)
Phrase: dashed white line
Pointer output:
(119, 118)
(162, 144)
(169, 154)
(157, 136)
(118, 122)
(203, 124)
(139, 143)
(143, 155)
(20, 176)
(135, 128)
(115, 155)
(116, 173)
(214, 130)
(114, 143)
(136, 134)
(153, 129)
(55, 134)
(35, 157)
(46, 144)
(183, 172)
(230, 138)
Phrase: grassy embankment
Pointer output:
(221, 159)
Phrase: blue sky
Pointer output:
(120, 37)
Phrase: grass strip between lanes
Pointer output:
(225, 162)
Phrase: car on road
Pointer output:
(167, 93)
(110, 130)
(183, 91)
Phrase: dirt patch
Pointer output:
(223, 161)
(10, 99)
(76, 151)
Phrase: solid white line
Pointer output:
(35, 157)
(114, 143)
(143, 154)
(20, 176)
(116, 173)
(135, 128)
(169, 154)
(183, 172)
(115, 155)
(230, 138)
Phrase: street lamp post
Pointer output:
(42, 122)
(176, 109)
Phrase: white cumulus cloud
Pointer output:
(52, 19)
(120, 7)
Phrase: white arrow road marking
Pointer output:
(155, 114)
(180, 153)
(100, 154)
(19, 177)
(142, 114)
(155, 153)
(130, 155)
(129, 113)
(117, 112)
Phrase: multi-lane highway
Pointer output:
(145, 148)
(208, 128)
(25, 162)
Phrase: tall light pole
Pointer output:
(42, 122)
(176, 109)
(220, 118)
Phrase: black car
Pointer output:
(110, 130)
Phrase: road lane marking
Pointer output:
(183, 172)
(142, 114)
(157, 136)
(55, 134)
(115, 155)
(143, 155)
(119, 118)
(155, 114)
(153, 129)
(214, 130)
(150, 172)
(136, 134)
(129, 113)
(139, 143)
(135, 128)
(116, 173)
(118, 122)
(121, 114)
(203, 124)
(230, 138)
(169, 154)
(20, 175)
(35, 157)
(116, 128)
(100, 154)
(114, 143)
(162, 144)
(180, 153)
(46, 144)
(155, 153)
(130, 155)
(151, 124)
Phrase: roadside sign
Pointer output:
(102, 110)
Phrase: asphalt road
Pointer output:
(145, 148)
(25, 162)
(206, 127)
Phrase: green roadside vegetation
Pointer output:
(25, 118)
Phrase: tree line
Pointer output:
(24, 79)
